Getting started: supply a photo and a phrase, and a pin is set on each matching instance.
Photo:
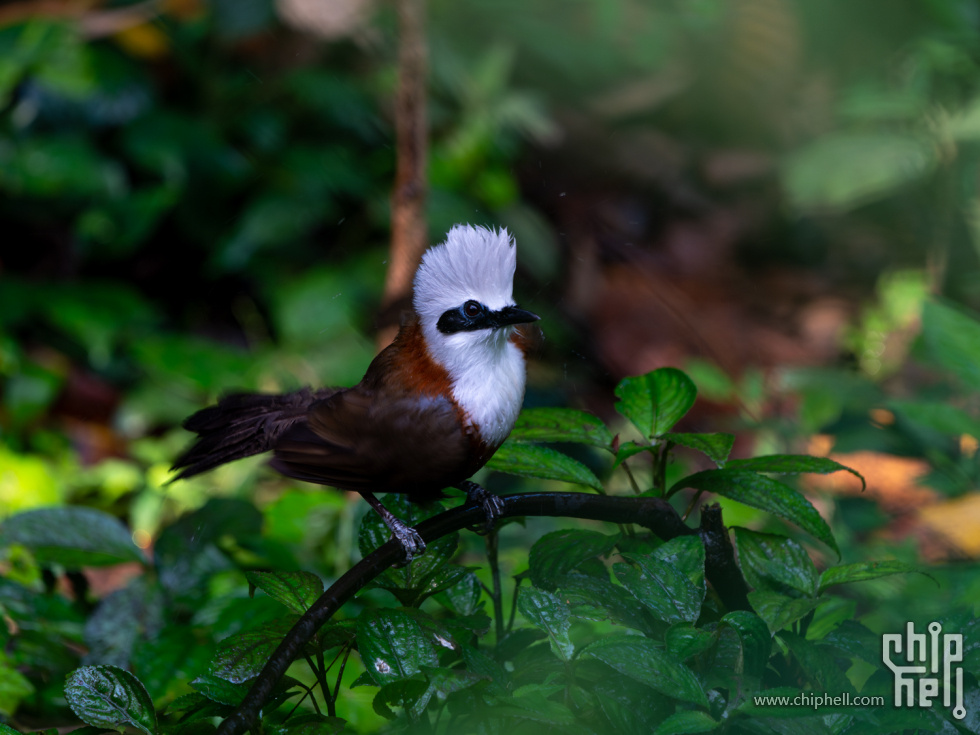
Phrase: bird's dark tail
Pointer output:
(240, 425)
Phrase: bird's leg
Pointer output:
(492, 505)
(407, 536)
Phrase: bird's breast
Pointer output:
(491, 393)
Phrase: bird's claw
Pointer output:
(410, 540)
(492, 505)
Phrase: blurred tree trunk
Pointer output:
(409, 232)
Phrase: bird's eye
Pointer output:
(472, 309)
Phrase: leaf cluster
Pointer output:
(605, 632)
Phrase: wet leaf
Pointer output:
(551, 614)
(73, 536)
(295, 590)
(107, 696)
(545, 463)
(642, 660)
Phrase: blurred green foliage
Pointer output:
(199, 202)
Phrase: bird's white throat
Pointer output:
(488, 378)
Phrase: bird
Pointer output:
(432, 408)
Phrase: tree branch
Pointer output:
(409, 231)
(655, 514)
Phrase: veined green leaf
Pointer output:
(392, 645)
(780, 611)
(644, 661)
(241, 656)
(775, 562)
(530, 460)
(764, 493)
(793, 464)
(661, 587)
(107, 696)
(295, 590)
(73, 536)
(550, 613)
(862, 571)
(717, 445)
(755, 640)
(561, 425)
(556, 554)
(656, 401)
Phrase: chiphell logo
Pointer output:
(917, 672)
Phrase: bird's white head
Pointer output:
(465, 304)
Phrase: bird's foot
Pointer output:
(410, 540)
(492, 505)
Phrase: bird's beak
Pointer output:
(513, 315)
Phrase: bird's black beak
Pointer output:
(513, 315)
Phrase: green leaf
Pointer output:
(107, 696)
(534, 706)
(764, 493)
(855, 641)
(775, 562)
(656, 401)
(561, 425)
(311, 723)
(558, 553)
(941, 417)
(793, 464)
(687, 554)
(687, 721)
(14, 686)
(755, 641)
(221, 690)
(72, 536)
(412, 694)
(551, 614)
(241, 656)
(683, 640)
(778, 610)
(819, 664)
(597, 598)
(843, 170)
(121, 619)
(529, 460)
(864, 570)
(392, 645)
(663, 587)
(445, 681)
(717, 446)
(464, 596)
(952, 337)
(630, 449)
(295, 590)
(644, 661)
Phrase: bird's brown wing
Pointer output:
(243, 424)
(377, 440)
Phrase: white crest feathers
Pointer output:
(486, 368)
(473, 263)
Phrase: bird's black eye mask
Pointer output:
(472, 315)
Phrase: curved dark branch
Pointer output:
(655, 514)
